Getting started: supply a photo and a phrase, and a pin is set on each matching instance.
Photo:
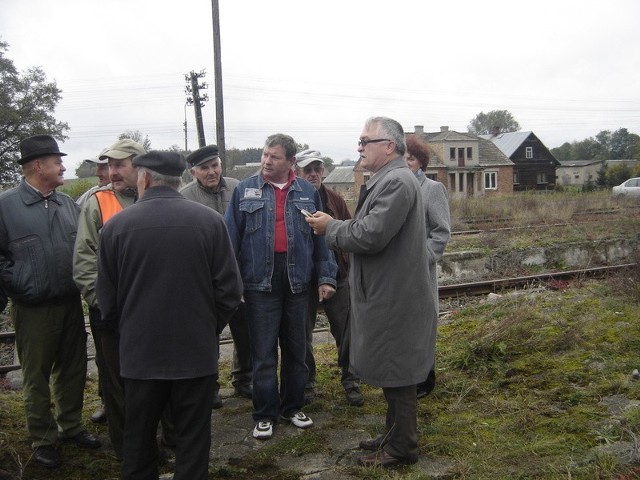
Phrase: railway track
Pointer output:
(483, 287)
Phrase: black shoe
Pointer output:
(47, 456)
(217, 401)
(84, 439)
(354, 397)
(244, 391)
(100, 415)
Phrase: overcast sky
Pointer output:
(565, 69)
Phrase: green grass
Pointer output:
(520, 390)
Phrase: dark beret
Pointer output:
(164, 163)
(202, 155)
(38, 146)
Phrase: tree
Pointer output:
(27, 104)
(494, 122)
(137, 136)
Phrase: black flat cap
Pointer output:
(202, 155)
(164, 163)
(38, 146)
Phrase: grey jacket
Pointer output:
(392, 306)
(218, 199)
(37, 235)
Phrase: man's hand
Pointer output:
(325, 291)
(319, 222)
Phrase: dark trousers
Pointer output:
(96, 316)
(337, 310)
(113, 395)
(241, 369)
(52, 346)
(277, 316)
(189, 401)
(402, 422)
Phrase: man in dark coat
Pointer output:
(169, 282)
(392, 305)
(38, 227)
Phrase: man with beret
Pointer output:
(97, 210)
(310, 166)
(210, 188)
(168, 282)
(37, 231)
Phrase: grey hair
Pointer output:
(391, 129)
(285, 141)
(159, 178)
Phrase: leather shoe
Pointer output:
(244, 391)
(84, 439)
(381, 459)
(99, 416)
(373, 444)
(47, 456)
(354, 397)
(217, 401)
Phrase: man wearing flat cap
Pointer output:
(169, 283)
(310, 166)
(97, 210)
(37, 231)
(210, 188)
(101, 170)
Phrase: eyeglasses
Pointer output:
(317, 169)
(364, 143)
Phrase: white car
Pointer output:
(630, 188)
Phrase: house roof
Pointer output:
(340, 175)
(509, 142)
(579, 163)
(491, 155)
(240, 172)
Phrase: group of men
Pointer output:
(163, 269)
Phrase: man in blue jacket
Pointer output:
(38, 229)
(277, 253)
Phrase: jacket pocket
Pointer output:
(30, 265)
(253, 211)
(299, 221)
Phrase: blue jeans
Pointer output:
(272, 316)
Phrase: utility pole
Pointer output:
(197, 101)
(186, 149)
(217, 71)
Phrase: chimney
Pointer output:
(419, 129)
(444, 128)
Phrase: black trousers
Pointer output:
(189, 401)
(402, 422)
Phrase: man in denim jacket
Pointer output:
(277, 253)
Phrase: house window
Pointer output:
(432, 176)
(541, 177)
(528, 152)
(490, 180)
(516, 178)
(452, 153)
(469, 153)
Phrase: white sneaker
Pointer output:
(300, 420)
(263, 430)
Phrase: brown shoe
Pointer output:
(382, 459)
(373, 444)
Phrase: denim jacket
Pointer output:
(251, 220)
